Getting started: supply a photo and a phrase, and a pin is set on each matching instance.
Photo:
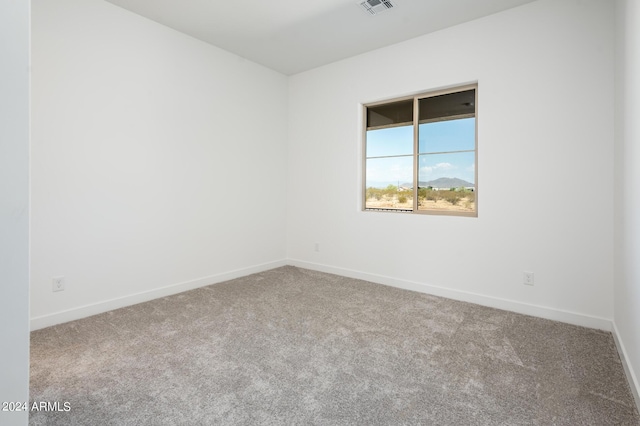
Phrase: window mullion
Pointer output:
(416, 120)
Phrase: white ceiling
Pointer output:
(291, 36)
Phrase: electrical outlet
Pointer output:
(528, 278)
(58, 283)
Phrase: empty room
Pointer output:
(333, 212)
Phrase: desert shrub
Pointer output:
(373, 193)
(428, 194)
(389, 192)
(452, 197)
(402, 199)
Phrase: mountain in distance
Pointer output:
(445, 182)
(442, 183)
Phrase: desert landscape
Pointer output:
(453, 199)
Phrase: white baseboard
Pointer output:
(494, 302)
(464, 296)
(121, 302)
(634, 384)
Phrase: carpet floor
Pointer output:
(297, 347)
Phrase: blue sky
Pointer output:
(436, 141)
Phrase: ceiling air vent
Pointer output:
(376, 6)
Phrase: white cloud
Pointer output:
(437, 168)
(444, 166)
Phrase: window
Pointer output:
(421, 153)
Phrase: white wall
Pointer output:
(627, 182)
(545, 173)
(157, 160)
(14, 207)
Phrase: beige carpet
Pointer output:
(292, 346)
